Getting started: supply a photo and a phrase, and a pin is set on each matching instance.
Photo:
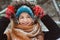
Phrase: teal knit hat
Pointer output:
(24, 9)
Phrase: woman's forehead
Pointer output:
(24, 14)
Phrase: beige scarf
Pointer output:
(20, 32)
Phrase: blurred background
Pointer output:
(51, 7)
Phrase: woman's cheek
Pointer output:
(30, 21)
(21, 20)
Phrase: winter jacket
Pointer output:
(53, 34)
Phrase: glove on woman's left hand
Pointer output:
(38, 11)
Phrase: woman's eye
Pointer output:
(21, 17)
(28, 17)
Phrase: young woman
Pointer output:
(53, 34)
(26, 29)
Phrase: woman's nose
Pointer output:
(25, 19)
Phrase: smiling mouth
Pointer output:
(25, 23)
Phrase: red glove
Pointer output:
(38, 11)
(10, 10)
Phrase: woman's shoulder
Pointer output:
(7, 32)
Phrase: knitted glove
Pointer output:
(38, 11)
(10, 10)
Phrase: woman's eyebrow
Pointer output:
(28, 15)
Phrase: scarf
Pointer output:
(23, 34)
(20, 32)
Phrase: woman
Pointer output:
(53, 34)
(26, 29)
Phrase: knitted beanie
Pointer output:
(24, 9)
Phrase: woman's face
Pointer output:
(25, 19)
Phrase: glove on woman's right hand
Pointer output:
(10, 10)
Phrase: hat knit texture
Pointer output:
(24, 9)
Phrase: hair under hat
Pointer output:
(24, 9)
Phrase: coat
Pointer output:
(53, 34)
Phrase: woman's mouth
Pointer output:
(25, 23)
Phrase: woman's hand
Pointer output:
(10, 10)
(38, 11)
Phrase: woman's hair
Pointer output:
(18, 4)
